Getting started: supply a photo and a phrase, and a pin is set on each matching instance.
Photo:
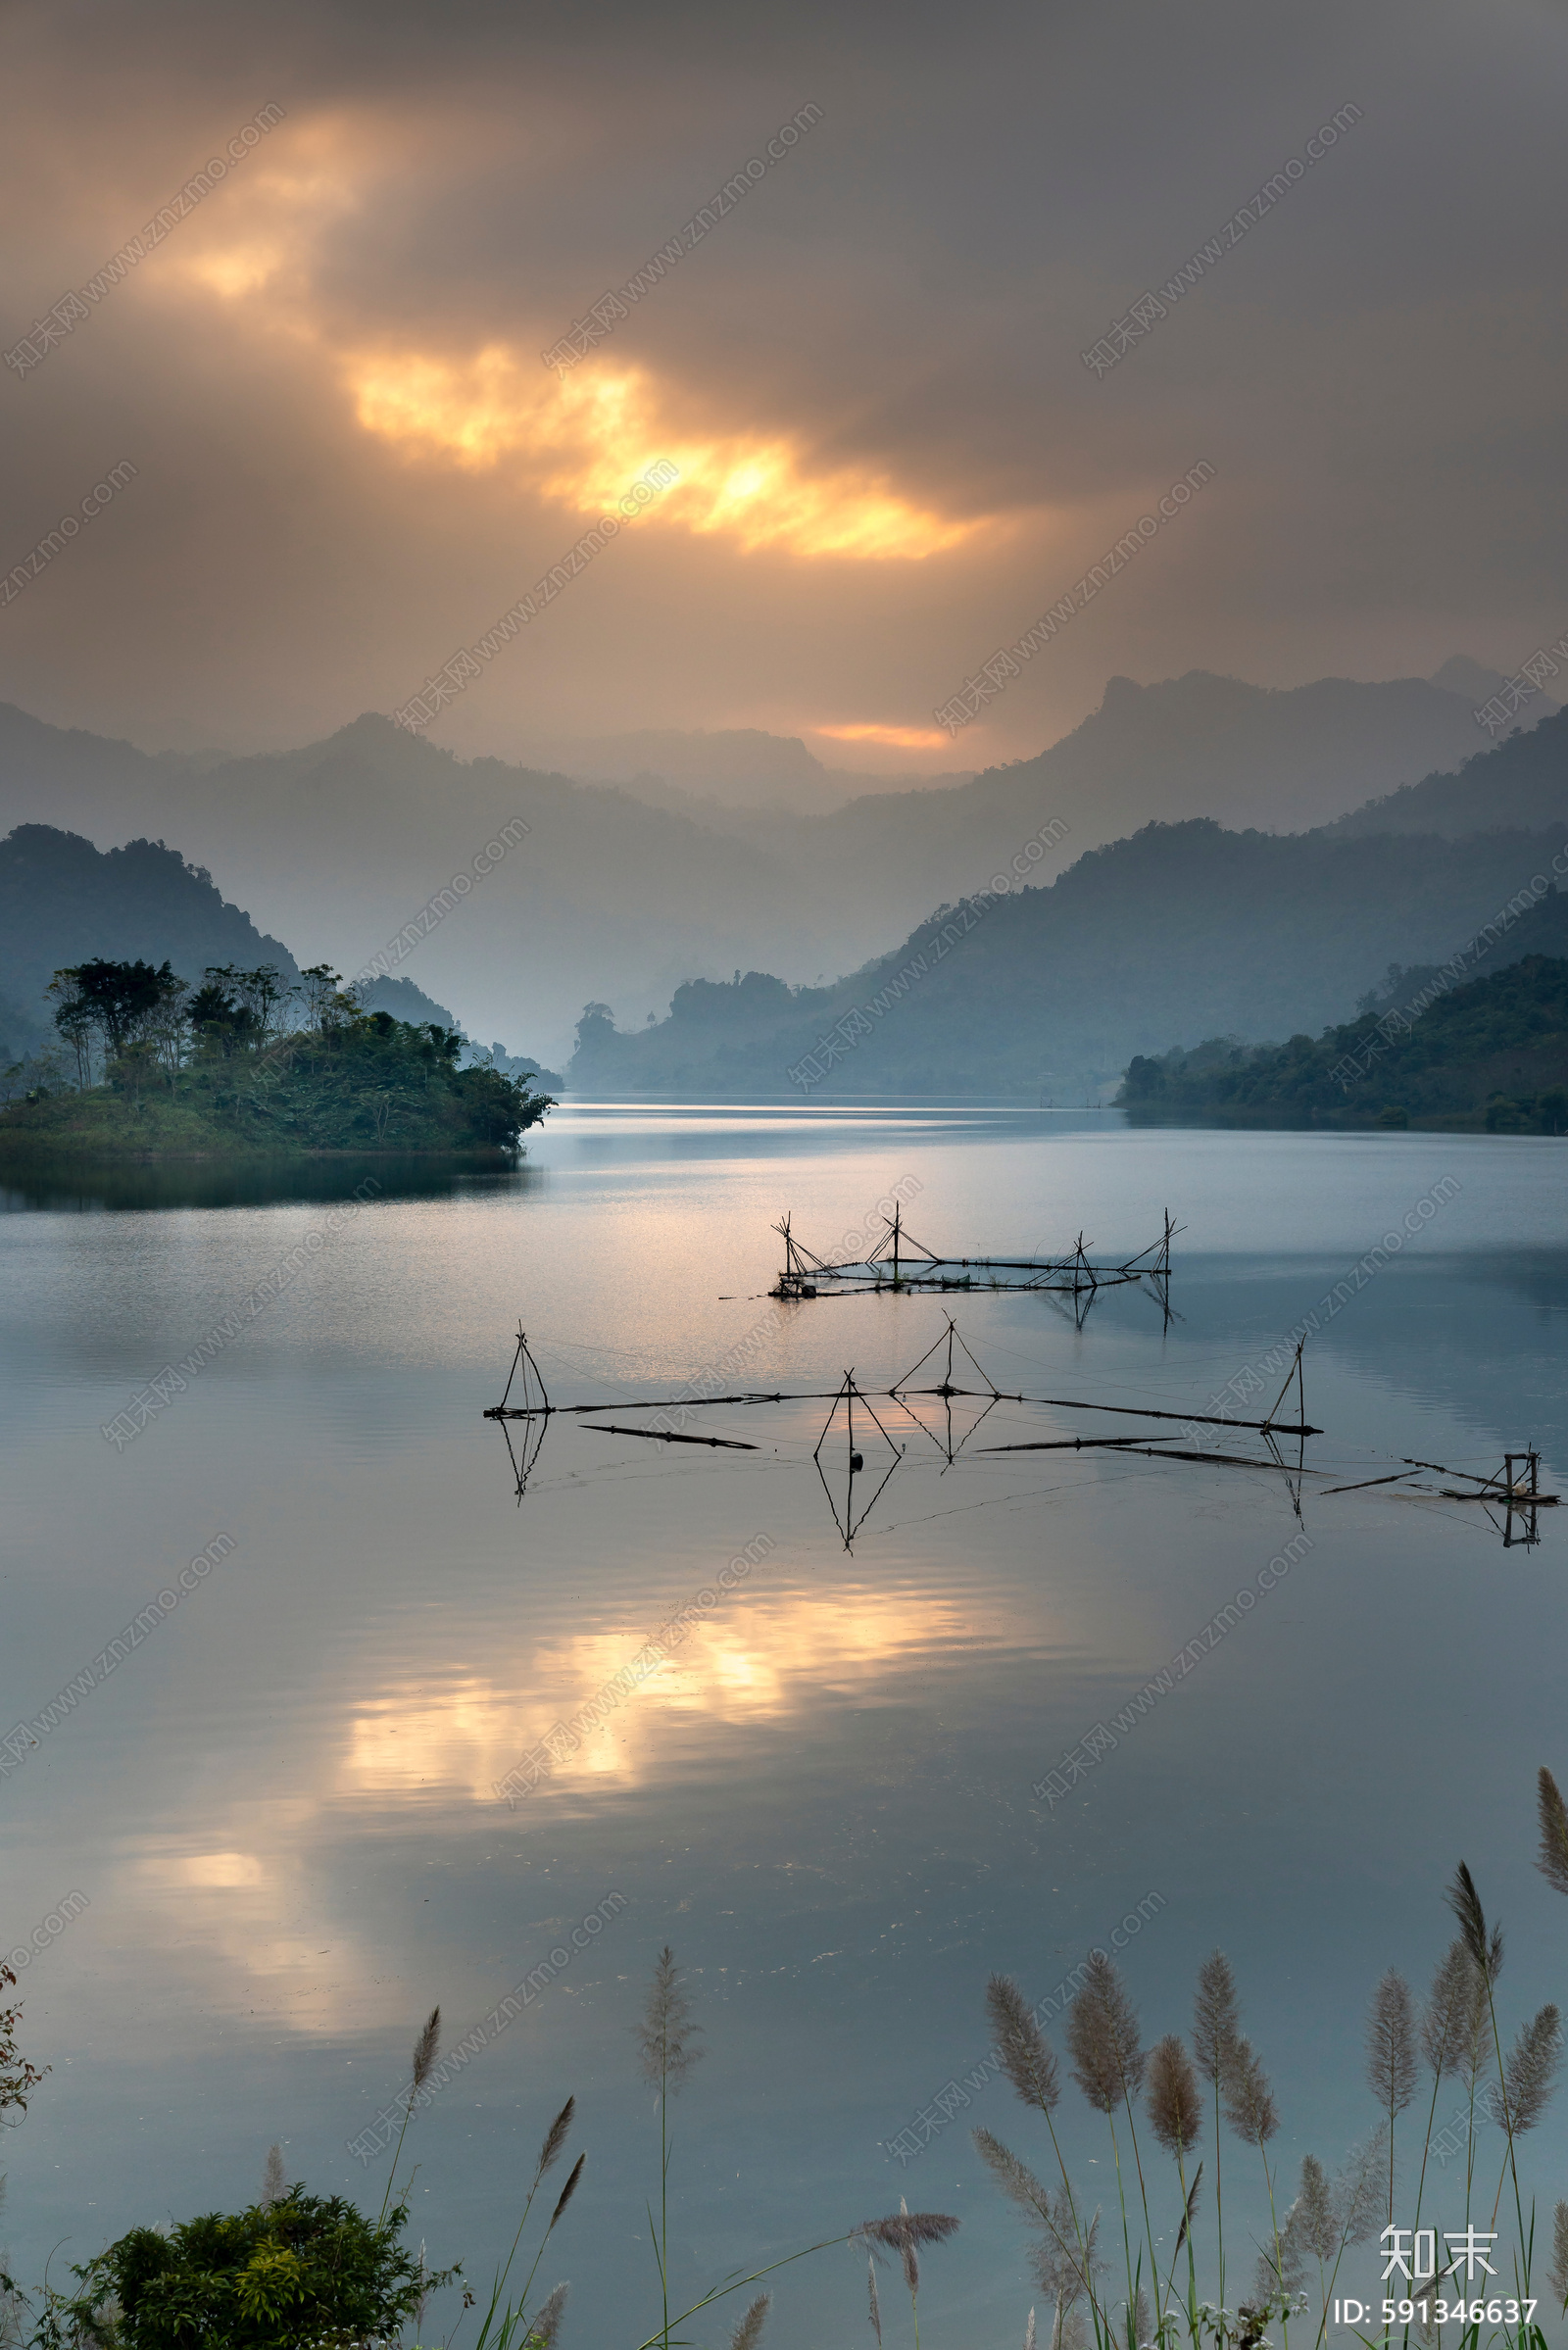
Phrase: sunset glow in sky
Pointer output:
(585, 440)
(868, 365)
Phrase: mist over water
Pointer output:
(279, 1804)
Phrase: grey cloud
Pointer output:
(909, 292)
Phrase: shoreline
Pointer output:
(15, 1148)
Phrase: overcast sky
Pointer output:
(351, 459)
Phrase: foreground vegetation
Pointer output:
(1492, 1055)
(296, 2268)
(248, 1062)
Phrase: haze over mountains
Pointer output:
(716, 773)
(336, 846)
(1179, 933)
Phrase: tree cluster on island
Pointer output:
(251, 1060)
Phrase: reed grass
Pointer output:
(1174, 2089)
(1457, 2033)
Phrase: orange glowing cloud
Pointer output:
(583, 439)
(579, 440)
(898, 738)
(260, 237)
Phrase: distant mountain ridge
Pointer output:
(1518, 784)
(1177, 933)
(339, 844)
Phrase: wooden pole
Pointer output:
(1295, 1372)
(837, 1397)
(512, 1373)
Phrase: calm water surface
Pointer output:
(281, 1806)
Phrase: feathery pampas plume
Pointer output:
(1517, 2102)
(1447, 2025)
(569, 2190)
(1390, 2055)
(904, 2233)
(1013, 2177)
(423, 2064)
(1478, 2048)
(1553, 1861)
(1391, 2044)
(1108, 2062)
(1313, 2213)
(908, 2253)
(1067, 2330)
(1557, 2273)
(546, 2326)
(424, 2049)
(1062, 2267)
(1248, 2100)
(1279, 2270)
(667, 2037)
(1358, 2190)
(1216, 2019)
(274, 2186)
(1486, 1950)
(555, 2138)
(1029, 2332)
(1021, 2045)
(1171, 2095)
(748, 2332)
(870, 2286)
(1063, 2254)
(1064, 2262)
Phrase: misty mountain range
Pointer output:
(1179, 933)
(337, 846)
(1152, 933)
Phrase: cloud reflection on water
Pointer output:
(778, 1661)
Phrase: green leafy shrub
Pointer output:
(304, 2269)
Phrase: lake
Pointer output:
(824, 1797)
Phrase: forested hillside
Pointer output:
(1518, 785)
(1183, 932)
(1492, 1054)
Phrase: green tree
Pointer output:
(321, 993)
(118, 998)
(293, 2267)
(221, 1024)
(74, 1019)
(135, 1010)
(242, 1009)
(265, 993)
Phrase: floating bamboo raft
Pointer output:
(900, 1261)
(522, 1361)
(874, 1453)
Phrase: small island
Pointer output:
(249, 1062)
